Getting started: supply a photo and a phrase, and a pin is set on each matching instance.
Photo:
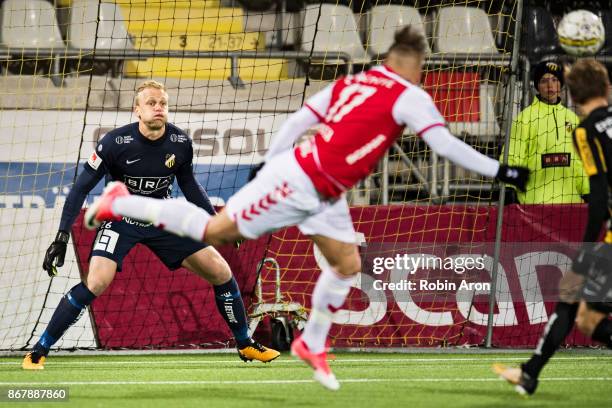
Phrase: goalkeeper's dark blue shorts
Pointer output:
(115, 239)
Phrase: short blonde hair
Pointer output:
(148, 84)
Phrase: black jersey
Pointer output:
(593, 143)
(147, 167)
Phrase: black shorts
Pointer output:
(597, 290)
(115, 239)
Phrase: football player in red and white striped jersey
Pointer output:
(358, 119)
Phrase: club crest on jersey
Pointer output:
(170, 160)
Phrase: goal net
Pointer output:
(234, 71)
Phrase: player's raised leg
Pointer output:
(69, 310)
(210, 265)
(101, 209)
(265, 204)
(329, 294)
(179, 217)
(595, 323)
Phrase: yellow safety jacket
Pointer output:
(541, 140)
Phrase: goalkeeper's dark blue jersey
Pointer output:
(147, 167)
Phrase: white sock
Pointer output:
(330, 290)
(177, 216)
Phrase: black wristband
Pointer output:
(62, 236)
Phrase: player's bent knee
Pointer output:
(210, 265)
(101, 273)
(586, 319)
(569, 287)
(343, 257)
(96, 286)
(584, 326)
(349, 266)
(219, 269)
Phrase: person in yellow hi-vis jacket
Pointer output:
(541, 140)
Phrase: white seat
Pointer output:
(336, 32)
(464, 30)
(112, 31)
(385, 21)
(30, 24)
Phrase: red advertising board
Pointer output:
(149, 306)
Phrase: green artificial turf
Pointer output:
(572, 379)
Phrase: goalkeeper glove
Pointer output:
(514, 175)
(56, 252)
(255, 170)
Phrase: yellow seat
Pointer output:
(181, 20)
(170, 3)
(164, 3)
(208, 68)
(199, 42)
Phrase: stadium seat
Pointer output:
(464, 30)
(171, 3)
(465, 101)
(268, 69)
(486, 128)
(111, 30)
(539, 37)
(195, 26)
(182, 18)
(30, 24)
(336, 31)
(385, 20)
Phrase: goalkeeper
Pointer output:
(148, 155)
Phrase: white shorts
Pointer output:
(282, 195)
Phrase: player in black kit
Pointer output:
(590, 89)
(147, 156)
(590, 278)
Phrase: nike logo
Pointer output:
(131, 161)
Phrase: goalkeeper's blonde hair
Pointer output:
(150, 83)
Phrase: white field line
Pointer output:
(137, 361)
(30, 384)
